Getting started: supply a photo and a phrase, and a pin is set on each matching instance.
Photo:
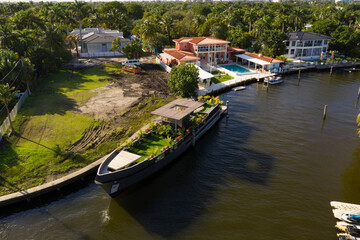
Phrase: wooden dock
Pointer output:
(339, 208)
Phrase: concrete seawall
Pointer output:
(47, 188)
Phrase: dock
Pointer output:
(237, 81)
(339, 208)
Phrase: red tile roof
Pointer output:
(264, 58)
(181, 55)
(201, 40)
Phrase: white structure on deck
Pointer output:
(204, 76)
(306, 45)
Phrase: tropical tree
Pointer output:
(7, 94)
(133, 49)
(183, 80)
(273, 43)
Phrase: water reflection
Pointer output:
(173, 200)
(351, 178)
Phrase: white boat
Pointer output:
(352, 229)
(239, 88)
(345, 236)
(352, 217)
(273, 80)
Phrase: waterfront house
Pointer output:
(306, 45)
(199, 50)
(260, 61)
(97, 42)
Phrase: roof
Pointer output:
(98, 38)
(181, 55)
(172, 110)
(258, 58)
(122, 160)
(235, 49)
(201, 40)
(303, 36)
(203, 74)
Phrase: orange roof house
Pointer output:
(199, 49)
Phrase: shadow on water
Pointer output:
(175, 198)
(351, 179)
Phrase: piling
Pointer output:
(227, 108)
(193, 138)
(324, 114)
(358, 94)
(331, 70)
(299, 77)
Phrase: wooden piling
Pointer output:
(227, 108)
(324, 114)
(299, 77)
(331, 70)
(193, 138)
(358, 94)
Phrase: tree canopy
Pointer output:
(183, 80)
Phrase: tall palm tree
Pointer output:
(250, 16)
(7, 94)
(167, 23)
(78, 9)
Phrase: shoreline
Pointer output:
(69, 179)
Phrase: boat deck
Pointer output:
(339, 208)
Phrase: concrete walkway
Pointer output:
(233, 82)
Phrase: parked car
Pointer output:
(132, 62)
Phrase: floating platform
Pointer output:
(239, 88)
(340, 208)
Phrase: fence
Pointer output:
(166, 67)
(13, 114)
(101, 54)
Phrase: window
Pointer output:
(299, 44)
(326, 42)
(287, 43)
(184, 45)
(293, 43)
(292, 51)
(317, 42)
(308, 43)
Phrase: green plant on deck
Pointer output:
(181, 132)
(129, 143)
(200, 98)
(207, 97)
(170, 141)
(165, 130)
(155, 151)
(141, 134)
(152, 126)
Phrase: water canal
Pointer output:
(268, 172)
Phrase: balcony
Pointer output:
(211, 49)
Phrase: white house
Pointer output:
(97, 42)
(306, 45)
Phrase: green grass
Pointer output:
(150, 145)
(48, 125)
(222, 78)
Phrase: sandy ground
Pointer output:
(126, 90)
(108, 103)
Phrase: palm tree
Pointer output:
(7, 94)
(250, 16)
(167, 23)
(78, 10)
(72, 40)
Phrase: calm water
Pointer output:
(268, 172)
(235, 68)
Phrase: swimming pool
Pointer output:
(235, 68)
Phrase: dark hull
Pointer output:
(116, 182)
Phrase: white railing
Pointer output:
(166, 67)
(101, 54)
(5, 125)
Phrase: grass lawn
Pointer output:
(222, 78)
(49, 126)
(150, 145)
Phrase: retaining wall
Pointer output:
(6, 124)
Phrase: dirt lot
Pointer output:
(126, 90)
